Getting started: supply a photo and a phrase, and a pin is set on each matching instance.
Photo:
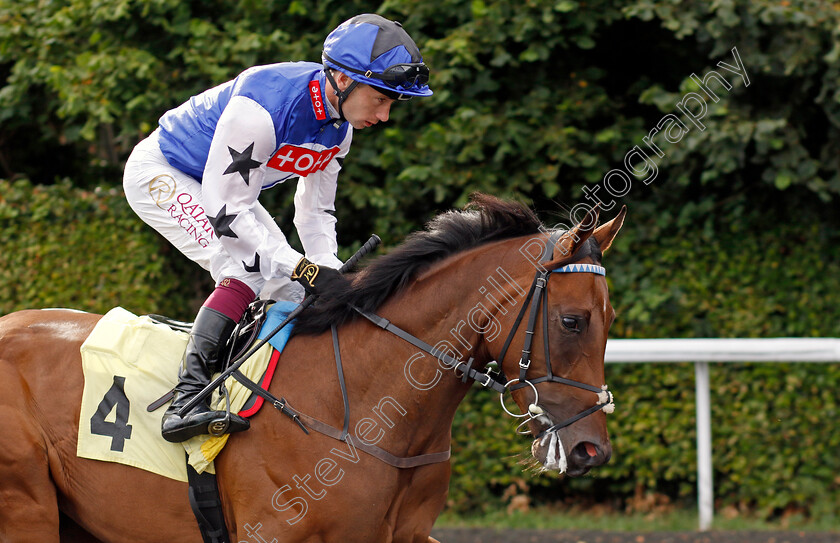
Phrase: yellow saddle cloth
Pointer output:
(130, 361)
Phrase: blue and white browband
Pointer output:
(581, 268)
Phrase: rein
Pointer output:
(486, 379)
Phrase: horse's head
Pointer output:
(554, 355)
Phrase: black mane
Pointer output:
(485, 219)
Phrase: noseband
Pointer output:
(538, 296)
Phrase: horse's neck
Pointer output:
(452, 308)
(400, 396)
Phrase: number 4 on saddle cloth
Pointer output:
(130, 362)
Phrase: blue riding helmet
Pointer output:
(376, 51)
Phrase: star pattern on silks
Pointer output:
(255, 267)
(242, 162)
(221, 223)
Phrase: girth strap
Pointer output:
(207, 506)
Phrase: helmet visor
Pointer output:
(403, 76)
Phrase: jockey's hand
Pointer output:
(319, 280)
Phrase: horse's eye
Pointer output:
(571, 323)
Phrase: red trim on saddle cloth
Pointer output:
(269, 374)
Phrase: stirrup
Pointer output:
(226, 425)
(215, 423)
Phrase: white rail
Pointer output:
(703, 351)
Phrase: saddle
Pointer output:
(243, 337)
(130, 365)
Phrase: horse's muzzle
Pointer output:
(576, 460)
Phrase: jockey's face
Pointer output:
(365, 106)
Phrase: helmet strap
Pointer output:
(342, 95)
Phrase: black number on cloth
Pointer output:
(120, 430)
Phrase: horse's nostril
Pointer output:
(590, 449)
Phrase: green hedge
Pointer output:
(532, 99)
(86, 249)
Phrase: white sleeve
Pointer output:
(315, 209)
(233, 176)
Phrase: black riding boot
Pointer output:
(210, 332)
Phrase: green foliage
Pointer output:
(534, 100)
(783, 129)
(85, 81)
(69, 247)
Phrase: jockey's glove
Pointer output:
(319, 280)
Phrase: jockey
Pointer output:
(197, 177)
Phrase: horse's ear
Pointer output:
(605, 234)
(577, 236)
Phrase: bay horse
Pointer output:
(461, 285)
